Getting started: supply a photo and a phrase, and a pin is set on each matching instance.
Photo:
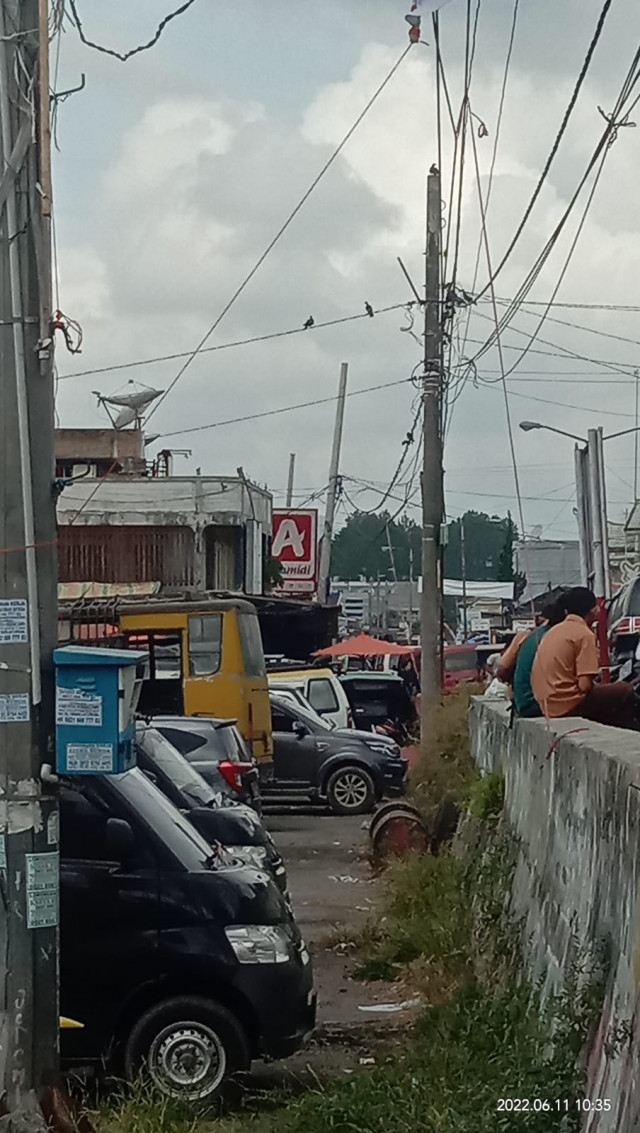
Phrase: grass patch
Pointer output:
(486, 797)
(426, 927)
(445, 770)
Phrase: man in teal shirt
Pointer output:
(524, 702)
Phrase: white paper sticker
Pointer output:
(42, 890)
(3, 851)
(14, 708)
(53, 828)
(90, 757)
(80, 709)
(13, 621)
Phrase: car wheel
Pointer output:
(186, 1047)
(351, 790)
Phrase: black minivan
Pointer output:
(179, 962)
(219, 820)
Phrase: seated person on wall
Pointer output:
(516, 662)
(566, 665)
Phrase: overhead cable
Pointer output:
(124, 56)
(281, 231)
(281, 409)
(556, 145)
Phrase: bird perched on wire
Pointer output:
(369, 309)
(311, 322)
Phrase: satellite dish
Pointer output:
(136, 401)
(125, 417)
(131, 406)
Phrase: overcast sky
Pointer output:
(175, 170)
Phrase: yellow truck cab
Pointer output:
(205, 659)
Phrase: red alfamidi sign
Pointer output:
(295, 546)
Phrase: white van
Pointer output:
(321, 688)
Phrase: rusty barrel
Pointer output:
(397, 829)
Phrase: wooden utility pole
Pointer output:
(292, 473)
(332, 495)
(29, 888)
(432, 476)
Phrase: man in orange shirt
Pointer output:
(566, 664)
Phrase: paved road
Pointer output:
(333, 895)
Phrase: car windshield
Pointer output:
(306, 715)
(168, 761)
(162, 817)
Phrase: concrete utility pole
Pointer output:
(432, 476)
(332, 495)
(292, 473)
(29, 887)
(463, 556)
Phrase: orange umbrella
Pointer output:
(362, 646)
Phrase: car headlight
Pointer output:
(252, 855)
(260, 944)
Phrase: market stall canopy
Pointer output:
(362, 646)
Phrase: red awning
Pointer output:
(363, 646)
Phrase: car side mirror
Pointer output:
(299, 729)
(119, 840)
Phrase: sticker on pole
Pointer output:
(93, 758)
(13, 621)
(3, 851)
(14, 708)
(76, 708)
(43, 886)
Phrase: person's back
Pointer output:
(566, 653)
(524, 701)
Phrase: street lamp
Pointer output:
(527, 426)
(592, 517)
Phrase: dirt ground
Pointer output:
(334, 896)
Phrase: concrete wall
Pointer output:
(190, 500)
(575, 806)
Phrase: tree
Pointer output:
(485, 537)
(361, 548)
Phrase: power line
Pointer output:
(587, 330)
(556, 145)
(231, 345)
(562, 404)
(272, 243)
(614, 122)
(134, 50)
(280, 410)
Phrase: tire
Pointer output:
(186, 1047)
(351, 790)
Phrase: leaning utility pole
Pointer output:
(29, 886)
(432, 475)
(292, 473)
(332, 495)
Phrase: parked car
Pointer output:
(216, 749)
(220, 820)
(321, 688)
(181, 964)
(374, 740)
(317, 762)
(378, 699)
